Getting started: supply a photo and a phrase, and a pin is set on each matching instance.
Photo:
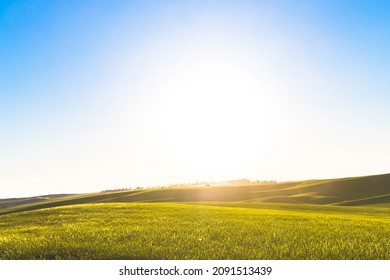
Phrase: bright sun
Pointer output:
(210, 117)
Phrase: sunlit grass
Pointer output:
(193, 231)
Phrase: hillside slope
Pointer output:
(355, 191)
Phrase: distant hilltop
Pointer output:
(354, 191)
(198, 184)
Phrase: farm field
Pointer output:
(196, 231)
(346, 218)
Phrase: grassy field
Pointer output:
(196, 231)
(347, 218)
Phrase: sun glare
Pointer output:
(212, 117)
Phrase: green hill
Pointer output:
(354, 191)
(346, 218)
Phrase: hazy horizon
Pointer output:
(97, 95)
(224, 183)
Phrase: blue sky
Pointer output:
(105, 94)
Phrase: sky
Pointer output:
(98, 95)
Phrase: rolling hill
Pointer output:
(354, 191)
(346, 218)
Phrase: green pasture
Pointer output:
(218, 230)
(346, 218)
